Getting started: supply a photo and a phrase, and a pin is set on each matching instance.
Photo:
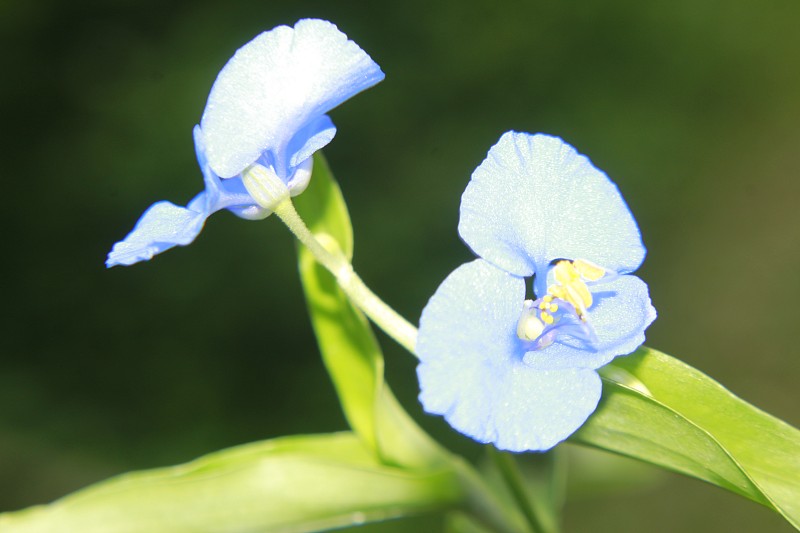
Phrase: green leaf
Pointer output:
(660, 410)
(457, 522)
(537, 491)
(349, 348)
(291, 484)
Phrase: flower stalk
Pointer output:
(386, 318)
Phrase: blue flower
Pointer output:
(266, 112)
(520, 372)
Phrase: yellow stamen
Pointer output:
(578, 295)
(589, 271)
(570, 285)
(565, 273)
(557, 291)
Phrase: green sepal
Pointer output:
(662, 411)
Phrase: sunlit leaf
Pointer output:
(291, 484)
(660, 410)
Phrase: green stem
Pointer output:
(484, 505)
(507, 467)
(376, 309)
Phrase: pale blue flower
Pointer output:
(516, 371)
(267, 109)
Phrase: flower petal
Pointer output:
(535, 199)
(621, 313)
(161, 227)
(316, 135)
(471, 369)
(229, 194)
(274, 86)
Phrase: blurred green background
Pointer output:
(691, 106)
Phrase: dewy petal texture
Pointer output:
(277, 85)
(472, 370)
(161, 227)
(535, 199)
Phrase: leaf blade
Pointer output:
(259, 487)
(674, 416)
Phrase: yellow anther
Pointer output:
(578, 295)
(557, 291)
(589, 271)
(570, 285)
(565, 273)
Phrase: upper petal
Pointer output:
(535, 199)
(274, 86)
(161, 227)
(471, 369)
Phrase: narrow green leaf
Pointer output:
(457, 522)
(536, 493)
(349, 348)
(291, 484)
(662, 411)
(545, 477)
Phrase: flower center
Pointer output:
(264, 185)
(563, 310)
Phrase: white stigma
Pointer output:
(529, 327)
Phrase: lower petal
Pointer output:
(161, 227)
(471, 368)
(528, 410)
